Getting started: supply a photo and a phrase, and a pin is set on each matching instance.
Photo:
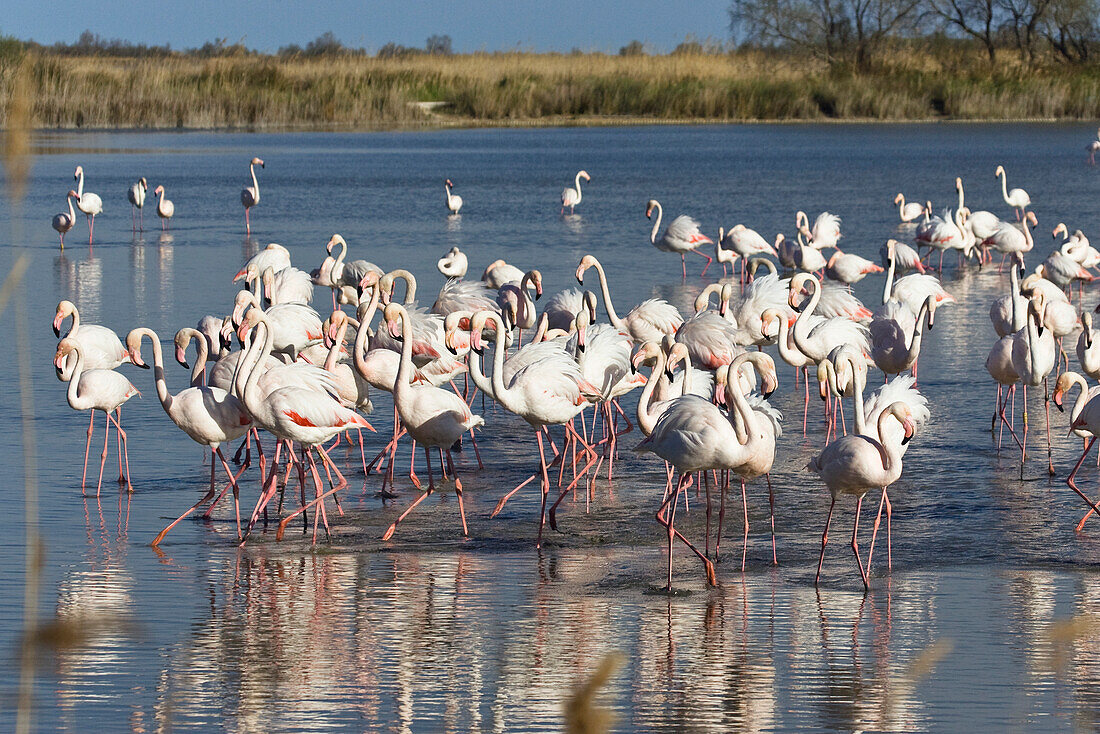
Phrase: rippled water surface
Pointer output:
(985, 621)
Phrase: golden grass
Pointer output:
(356, 92)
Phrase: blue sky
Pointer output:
(595, 25)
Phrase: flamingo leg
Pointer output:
(855, 545)
(458, 493)
(431, 488)
(721, 510)
(205, 498)
(103, 456)
(824, 540)
(87, 447)
(567, 490)
(1073, 486)
(683, 263)
(884, 501)
(709, 260)
(771, 516)
(268, 491)
(673, 533)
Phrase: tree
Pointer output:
(438, 45)
(325, 44)
(634, 48)
(1023, 19)
(978, 19)
(1071, 28)
(833, 30)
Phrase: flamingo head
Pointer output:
(587, 262)
(797, 290)
(477, 324)
(333, 241)
(182, 341)
(1030, 217)
(1038, 308)
(534, 280)
(449, 182)
(958, 183)
(1000, 172)
(646, 353)
(584, 175)
(65, 309)
(649, 207)
(590, 306)
(158, 191)
(258, 162)
(1065, 382)
(253, 317)
(823, 368)
(899, 198)
(1060, 229)
(677, 353)
(582, 322)
(144, 184)
(902, 412)
(79, 172)
(393, 316)
(242, 301)
(370, 280)
(133, 346)
(726, 296)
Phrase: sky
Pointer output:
(473, 25)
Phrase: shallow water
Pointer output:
(985, 619)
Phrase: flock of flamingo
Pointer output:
(306, 379)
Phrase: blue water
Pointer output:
(985, 620)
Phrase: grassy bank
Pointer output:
(363, 92)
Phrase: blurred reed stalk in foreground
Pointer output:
(17, 163)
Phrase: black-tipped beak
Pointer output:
(57, 331)
(768, 394)
(799, 307)
(668, 374)
(580, 347)
(905, 440)
(823, 397)
(185, 365)
(633, 369)
(1061, 409)
(452, 350)
(538, 295)
(1039, 329)
(144, 365)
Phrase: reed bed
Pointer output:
(360, 92)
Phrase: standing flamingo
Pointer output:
(208, 415)
(136, 196)
(650, 320)
(102, 347)
(454, 201)
(1084, 422)
(96, 389)
(682, 236)
(250, 195)
(570, 197)
(87, 202)
(907, 212)
(63, 222)
(1018, 199)
(856, 463)
(165, 208)
(434, 417)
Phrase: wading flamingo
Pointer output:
(1018, 199)
(682, 236)
(63, 222)
(454, 201)
(165, 208)
(250, 195)
(87, 202)
(570, 197)
(136, 196)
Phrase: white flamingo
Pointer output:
(136, 196)
(570, 197)
(1018, 199)
(87, 202)
(102, 349)
(250, 195)
(454, 201)
(907, 212)
(681, 237)
(650, 320)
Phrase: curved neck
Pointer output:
(202, 355)
(160, 201)
(646, 419)
(918, 332)
(888, 453)
(494, 386)
(255, 183)
(802, 323)
(577, 184)
(80, 185)
(888, 289)
(1004, 186)
(73, 392)
(72, 214)
(359, 350)
(785, 352)
(606, 292)
(1017, 299)
(859, 379)
(247, 372)
(657, 223)
(960, 196)
(158, 368)
(901, 207)
(737, 402)
(334, 350)
(410, 284)
(1033, 340)
(702, 301)
(401, 386)
(338, 263)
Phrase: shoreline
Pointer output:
(560, 122)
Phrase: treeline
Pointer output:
(865, 34)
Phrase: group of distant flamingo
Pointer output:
(306, 379)
(92, 205)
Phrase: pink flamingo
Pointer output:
(96, 389)
(208, 415)
(87, 202)
(570, 197)
(136, 196)
(682, 236)
(650, 320)
(102, 347)
(165, 208)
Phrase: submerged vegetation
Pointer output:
(222, 86)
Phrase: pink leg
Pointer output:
(121, 436)
(771, 516)
(87, 447)
(855, 546)
(683, 263)
(103, 457)
(709, 260)
(824, 540)
(745, 509)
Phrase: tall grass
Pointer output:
(522, 88)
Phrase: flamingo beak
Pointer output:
(181, 357)
(1058, 401)
(475, 341)
(57, 324)
(769, 384)
(580, 276)
(910, 429)
(538, 291)
(395, 330)
(580, 339)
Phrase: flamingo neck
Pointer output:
(1082, 397)
(802, 323)
(334, 350)
(1004, 187)
(80, 186)
(255, 183)
(158, 369)
(577, 184)
(402, 386)
(202, 355)
(738, 406)
(656, 224)
(888, 289)
(646, 419)
(606, 292)
(73, 392)
(72, 214)
(887, 452)
(247, 369)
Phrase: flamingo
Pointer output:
(1084, 422)
(682, 236)
(273, 256)
(849, 268)
(744, 242)
(904, 256)
(1007, 312)
(498, 273)
(454, 264)
(1018, 199)
(433, 417)
(250, 195)
(92, 390)
(896, 336)
(208, 415)
(1033, 358)
(1079, 247)
(982, 223)
(570, 197)
(807, 258)
(856, 463)
(1093, 148)
(102, 349)
(63, 222)
(343, 276)
(1009, 238)
(87, 202)
(816, 340)
(650, 320)
(454, 201)
(291, 413)
(826, 231)
(289, 285)
(907, 212)
(549, 391)
(514, 299)
(165, 208)
(293, 327)
(136, 196)
(1088, 348)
